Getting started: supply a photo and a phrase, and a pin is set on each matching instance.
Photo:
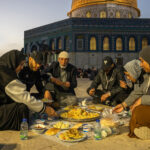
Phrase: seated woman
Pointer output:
(133, 75)
(15, 101)
(139, 101)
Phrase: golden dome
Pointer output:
(82, 3)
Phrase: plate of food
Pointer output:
(79, 114)
(71, 135)
(63, 125)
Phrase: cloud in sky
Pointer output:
(20, 15)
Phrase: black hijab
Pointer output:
(8, 63)
(12, 59)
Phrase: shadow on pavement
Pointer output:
(8, 146)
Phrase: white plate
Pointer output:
(74, 140)
(53, 123)
(38, 130)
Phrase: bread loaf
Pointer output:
(52, 131)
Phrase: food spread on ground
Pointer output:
(79, 114)
(71, 134)
(69, 131)
(61, 125)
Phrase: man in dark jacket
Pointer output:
(62, 80)
(30, 74)
(109, 77)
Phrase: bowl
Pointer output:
(38, 128)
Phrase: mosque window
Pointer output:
(131, 44)
(106, 46)
(88, 14)
(79, 42)
(129, 15)
(117, 14)
(92, 43)
(67, 43)
(119, 45)
(52, 45)
(144, 42)
(95, 15)
(103, 14)
(59, 43)
(34, 48)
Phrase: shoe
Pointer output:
(142, 133)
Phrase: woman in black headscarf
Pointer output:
(15, 101)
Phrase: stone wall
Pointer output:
(91, 59)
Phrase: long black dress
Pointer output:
(11, 112)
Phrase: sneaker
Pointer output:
(142, 133)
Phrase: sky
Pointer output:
(17, 16)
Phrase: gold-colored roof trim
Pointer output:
(100, 3)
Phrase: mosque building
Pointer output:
(94, 29)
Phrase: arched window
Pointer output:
(117, 14)
(144, 42)
(67, 43)
(79, 42)
(52, 45)
(34, 48)
(131, 44)
(92, 43)
(106, 46)
(119, 46)
(59, 43)
(88, 14)
(129, 15)
(103, 14)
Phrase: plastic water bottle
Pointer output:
(24, 130)
(97, 130)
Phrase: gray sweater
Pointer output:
(140, 92)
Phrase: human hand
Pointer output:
(123, 84)
(105, 96)
(57, 81)
(137, 103)
(67, 84)
(50, 112)
(47, 95)
(92, 92)
(119, 108)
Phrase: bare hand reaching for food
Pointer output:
(92, 92)
(105, 96)
(50, 112)
(120, 107)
